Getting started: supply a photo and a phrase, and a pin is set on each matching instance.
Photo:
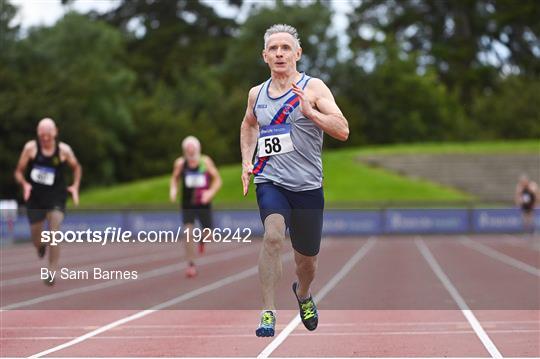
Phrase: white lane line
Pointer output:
(74, 257)
(490, 252)
(115, 263)
(233, 335)
(146, 275)
(467, 313)
(522, 242)
(182, 298)
(456, 324)
(322, 293)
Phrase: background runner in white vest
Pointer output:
(200, 183)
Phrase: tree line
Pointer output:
(127, 85)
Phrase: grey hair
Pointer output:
(277, 28)
(191, 140)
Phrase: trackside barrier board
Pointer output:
(336, 222)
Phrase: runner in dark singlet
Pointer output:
(40, 172)
(525, 198)
(200, 183)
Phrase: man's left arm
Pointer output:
(317, 103)
(534, 190)
(77, 172)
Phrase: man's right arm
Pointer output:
(249, 131)
(517, 197)
(177, 169)
(25, 157)
(534, 189)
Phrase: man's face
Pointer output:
(46, 133)
(281, 53)
(191, 151)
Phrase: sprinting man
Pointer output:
(200, 183)
(44, 187)
(525, 198)
(285, 119)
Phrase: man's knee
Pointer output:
(273, 239)
(274, 232)
(55, 218)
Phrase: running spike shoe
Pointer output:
(268, 324)
(308, 310)
(49, 281)
(191, 271)
(41, 250)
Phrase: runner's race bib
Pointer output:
(526, 198)
(42, 175)
(195, 180)
(275, 140)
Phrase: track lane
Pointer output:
(404, 330)
(208, 343)
(495, 291)
(392, 286)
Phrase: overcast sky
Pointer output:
(47, 12)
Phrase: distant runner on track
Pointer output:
(44, 188)
(525, 197)
(200, 183)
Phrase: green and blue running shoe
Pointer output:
(308, 310)
(268, 324)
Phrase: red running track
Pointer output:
(378, 297)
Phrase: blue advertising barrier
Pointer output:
(152, 221)
(499, 220)
(423, 221)
(239, 219)
(170, 221)
(21, 228)
(336, 222)
(352, 222)
(95, 221)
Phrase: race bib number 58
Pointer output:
(275, 140)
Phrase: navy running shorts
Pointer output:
(37, 209)
(202, 213)
(302, 211)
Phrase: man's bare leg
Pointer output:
(55, 218)
(190, 246)
(269, 259)
(35, 231)
(305, 271)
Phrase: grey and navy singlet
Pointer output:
(298, 170)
